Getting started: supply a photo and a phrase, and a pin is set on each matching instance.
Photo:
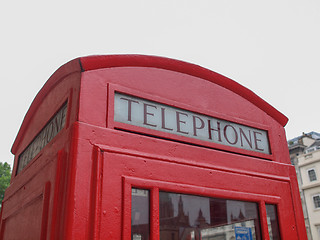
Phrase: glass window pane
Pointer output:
(140, 226)
(312, 175)
(318, 231)
(316, 201)
(272, 219)
(188, 217)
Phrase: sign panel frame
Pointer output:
(56, 123)
(153, 115)
(114, 89)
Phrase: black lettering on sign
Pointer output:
(52, 128)
(157, 116)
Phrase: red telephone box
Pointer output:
(142, 147)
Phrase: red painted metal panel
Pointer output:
(197, 178)
(203, 95)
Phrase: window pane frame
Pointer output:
(155, 186)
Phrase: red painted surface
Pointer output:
(79, 185)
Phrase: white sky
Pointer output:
(271, 47)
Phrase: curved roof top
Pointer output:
(109, 61)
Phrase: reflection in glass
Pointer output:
(188, 217)
(272, 219)
(140, 214)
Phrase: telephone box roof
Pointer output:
(90, 63)
(109, 61)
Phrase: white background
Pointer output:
(271, 47)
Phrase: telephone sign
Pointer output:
(161, 117)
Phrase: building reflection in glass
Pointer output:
(272, 219)
(188, 217)
(140, 214)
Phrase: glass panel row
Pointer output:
(190, 217)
